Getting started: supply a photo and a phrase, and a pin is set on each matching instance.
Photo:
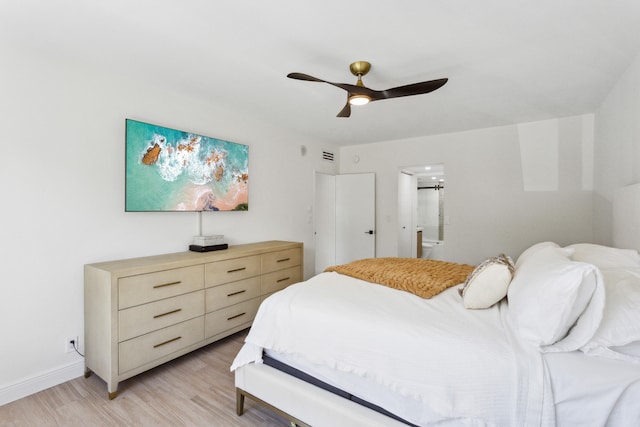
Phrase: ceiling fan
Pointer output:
(359, 94)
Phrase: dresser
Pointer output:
(142, 312)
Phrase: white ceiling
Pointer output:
(426, 174)
(508, 61)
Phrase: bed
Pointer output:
(563, 347)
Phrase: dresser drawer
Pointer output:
(146, 348)
(281, 259)
(231, 270)
(277, 280)
(232, 293)
(143, 288)
(230, 317)
(156, 315)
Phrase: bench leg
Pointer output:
(239, 402)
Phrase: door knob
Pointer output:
(368, 232)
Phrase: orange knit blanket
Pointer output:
(423, 277)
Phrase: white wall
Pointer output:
(617, 148)
(62, 173)
(486, 201)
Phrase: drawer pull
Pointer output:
(167, 313)
(283, 280)
(237, 293)
(283, 259)
(166, 342)
(236, 270)
(167, 284)
(236, 316)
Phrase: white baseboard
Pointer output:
(41, 382)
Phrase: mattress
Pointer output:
(279, 362)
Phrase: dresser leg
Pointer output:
(112, 388)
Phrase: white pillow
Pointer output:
(555, 302)
(621, 320)
(605, 257)
(531, 251)
(488, 283)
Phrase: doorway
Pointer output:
(421, 211)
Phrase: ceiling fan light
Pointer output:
(359, 99)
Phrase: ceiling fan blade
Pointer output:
(408, 90)
(306, 77)
(353, 89)
(346, 111)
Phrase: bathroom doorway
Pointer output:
(421, 195)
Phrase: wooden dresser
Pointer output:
(142, 312)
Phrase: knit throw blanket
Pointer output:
(423, 277)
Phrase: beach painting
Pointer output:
(173, 170)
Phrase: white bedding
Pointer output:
(595, 391)
(452, 366)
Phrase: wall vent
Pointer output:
(327, 155)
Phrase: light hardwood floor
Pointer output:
(194, 390)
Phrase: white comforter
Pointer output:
(464, 366)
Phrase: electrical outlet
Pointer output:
(68, 346)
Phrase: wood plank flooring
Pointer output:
(194, 390)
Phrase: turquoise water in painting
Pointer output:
(172, 170)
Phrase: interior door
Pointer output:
(406, 213)
(355, 217)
